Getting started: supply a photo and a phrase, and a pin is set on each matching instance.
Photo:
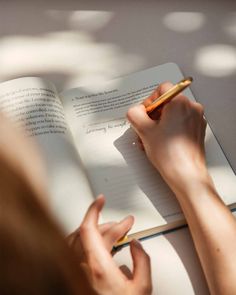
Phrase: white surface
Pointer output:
(175, 266)
(77, 42)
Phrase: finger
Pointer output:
(178, 105)
(74, 240)
(139, 119)
(92, 215)
(140, 144)
(102, 228)
(203, 134)
(162, 88)
(75, 236)
(126, 271)
(105, 226)
(138, 116)
(71, 238)
(142, 267)
(89, 233)
(156, 114)
(92, 243)
(74, 243)
(199, 108)
(117, 231)
(199, 112)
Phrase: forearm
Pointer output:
(213, 229)
(174, 143)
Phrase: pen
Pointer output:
(167, 96)
(122, 241)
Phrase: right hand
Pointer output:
(174, 142)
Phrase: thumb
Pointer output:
(117, 231)
(142, 267)
(139, 119)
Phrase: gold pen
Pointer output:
(167, 96)
(125, 239)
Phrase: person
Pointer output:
(35, 259)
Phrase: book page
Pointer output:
(33, 104)
(115, 164)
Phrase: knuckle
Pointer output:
(147, 289)
(144, 257)
(163, 87)
(97, 271)
(141, 128)
(84, 228)
(131, 114)
(72, 238)
(182, 99)
(115, 233)
(199, 108)
(204, 125)
(178, 102)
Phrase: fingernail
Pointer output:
(100, 196)
(127, 217)
(130, 216)
(137, 244)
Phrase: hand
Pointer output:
(93, 244)
(174, 142)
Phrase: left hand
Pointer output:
(93, 245)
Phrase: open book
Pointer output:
(89, 148)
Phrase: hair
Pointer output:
(34, 257)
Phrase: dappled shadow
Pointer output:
(147, 177)
(128, 45)
(46, 38)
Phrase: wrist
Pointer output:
(189, 180)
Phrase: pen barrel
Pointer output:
(167, 96)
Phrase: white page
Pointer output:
(33, 103)
(113, 161)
